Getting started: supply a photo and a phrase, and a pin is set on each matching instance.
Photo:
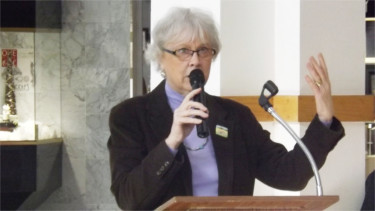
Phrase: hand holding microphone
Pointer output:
(183, 123)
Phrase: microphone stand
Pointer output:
(263, 101)
(319, 190)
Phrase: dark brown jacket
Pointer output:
(145, 173)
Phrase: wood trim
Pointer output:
(31, 142)
(252, 103)
(17, 29)
(249, 203)
(350, 108)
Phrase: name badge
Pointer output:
(221, 131)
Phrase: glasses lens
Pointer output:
(184, 53)
(204, 52)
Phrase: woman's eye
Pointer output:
(203, 50)
(184, 51)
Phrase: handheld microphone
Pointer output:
(197, 81)
(264, 103)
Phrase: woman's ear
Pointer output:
(162, 73)
(161, 70)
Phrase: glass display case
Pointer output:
(30, 85)
(30, 102)
(30, 98)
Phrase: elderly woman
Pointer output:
(155, 152)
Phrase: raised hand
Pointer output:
(320, 84)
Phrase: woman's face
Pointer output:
(177, 70)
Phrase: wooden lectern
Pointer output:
(249, 203)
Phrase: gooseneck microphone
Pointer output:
(197, 81)
(272, 90)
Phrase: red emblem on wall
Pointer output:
(5, 54)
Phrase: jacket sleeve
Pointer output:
(291, 170)
(140, 173)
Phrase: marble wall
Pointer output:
(95, 66)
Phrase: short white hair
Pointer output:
(182, 24)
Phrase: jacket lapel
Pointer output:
(159, 113)
(221, 130)
(160, 119)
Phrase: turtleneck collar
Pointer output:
(174, 98)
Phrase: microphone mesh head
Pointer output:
(196, 78)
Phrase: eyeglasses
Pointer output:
(186, 54)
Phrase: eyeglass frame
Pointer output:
(192, 52)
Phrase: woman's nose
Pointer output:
(194, 60)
